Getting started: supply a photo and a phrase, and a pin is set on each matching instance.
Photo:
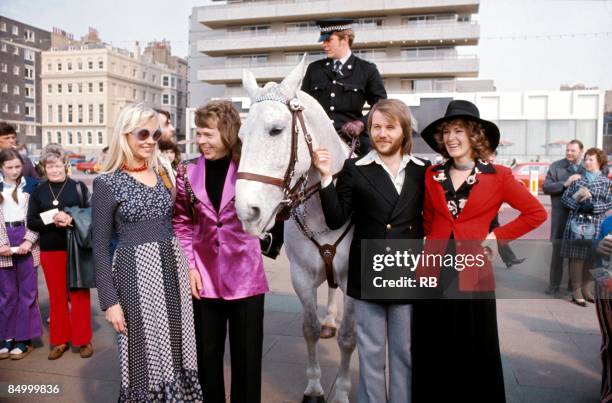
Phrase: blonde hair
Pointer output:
(131, 117)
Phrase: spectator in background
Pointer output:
(19, 260)
(588, 199)
(69, 323)
(172, 152)
(559, 177)
(8, 139)
(168, 135)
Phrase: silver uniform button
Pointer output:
(355, 89)
(334, 82)
(331, 108)
(332, 95)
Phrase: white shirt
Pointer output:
(373, 158)
(344, 59)
(14, 211)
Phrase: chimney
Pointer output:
(136, 50)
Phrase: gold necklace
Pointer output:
(55, 202)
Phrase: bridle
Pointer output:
(295, 195)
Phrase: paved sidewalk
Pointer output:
(550, 348)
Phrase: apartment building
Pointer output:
(86, 84)
(20, 84)
(414, 44)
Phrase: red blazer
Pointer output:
(473, 223)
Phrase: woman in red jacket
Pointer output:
(455, 341)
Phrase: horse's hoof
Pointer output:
(313, 399)
(327, 332)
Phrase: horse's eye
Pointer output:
(275, 131)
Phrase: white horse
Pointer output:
(266, 151)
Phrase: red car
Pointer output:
(521, 172)
(88, 167)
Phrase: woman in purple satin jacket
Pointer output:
(226, 274)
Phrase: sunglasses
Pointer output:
(143, 134)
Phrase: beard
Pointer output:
(388, 150)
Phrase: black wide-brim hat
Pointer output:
(460, 109)
(330, 25)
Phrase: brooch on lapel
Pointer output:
(441, 177)
(349, 67)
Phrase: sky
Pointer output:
(524, 45)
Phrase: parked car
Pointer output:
(522, 171)
(88, 167)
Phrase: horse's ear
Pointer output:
(249, 83)
(293, 82)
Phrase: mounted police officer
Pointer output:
(343, 82)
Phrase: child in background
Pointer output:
(19, 258)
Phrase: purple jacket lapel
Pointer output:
(197, 179)
(229, 187)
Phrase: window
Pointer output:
(16, 90)
(165, 80)
(153, 79)
(100, 87)
(90, 113)
(16, 51)
(15, 30)
(101, 113)
(16, 70)
(80, 114)
(28, 54)
(79, 65)
(59, 114)
(3, 47)
(49, 139)
(69, 85)
(49, 113)
(165, 99)
(29, 110)
(3, 26)
(89, 138)
(59, 88)
(172, 100)
(79, 138)
(90, 64)
(59, 66)
(28, 35)
(69, 137)
(154, 98)
(5, 87)
(134, 94)
(80, 88)
(29, 72)
(29, 91)
(100, 64)
(90, 87)
(4, 67)
(5, 108)
(69, 66)
(173, 82)
(144, 95)
(49, 67)
(100, 138)
(59, 137)
(17, 110)
(69, 113)
(144, 75)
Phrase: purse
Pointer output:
(80, 272)
(582, 228)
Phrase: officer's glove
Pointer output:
(354, 128)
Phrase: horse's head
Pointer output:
(266, 136)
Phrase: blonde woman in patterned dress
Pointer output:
(143, 284)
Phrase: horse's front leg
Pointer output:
(328, 330)
(346, 342)
(306, 290)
